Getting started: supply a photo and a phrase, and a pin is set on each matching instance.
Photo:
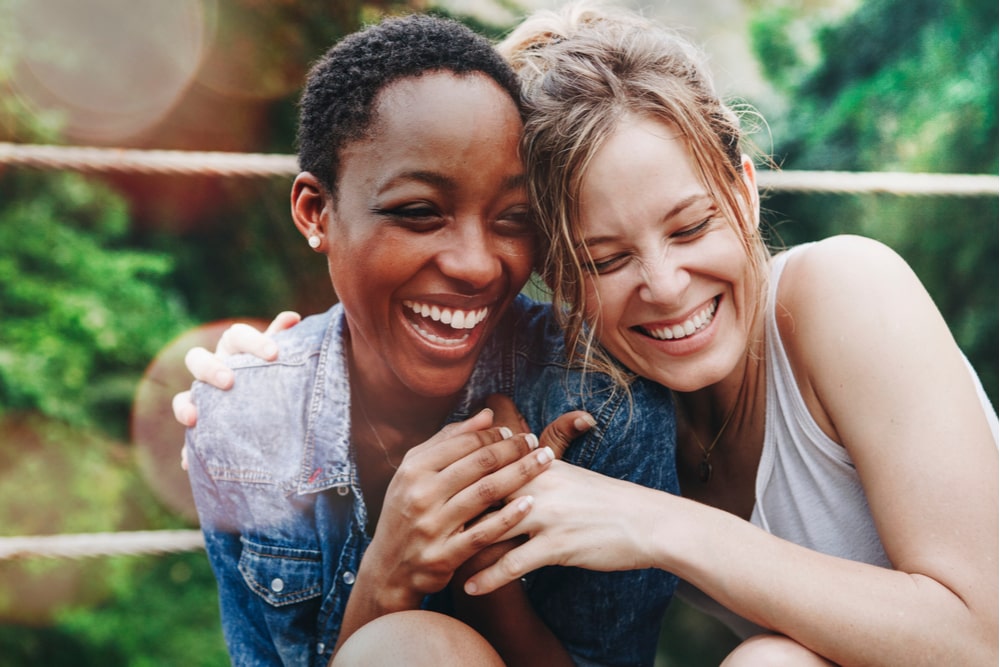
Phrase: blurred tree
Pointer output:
(898, 85)
(82, 314)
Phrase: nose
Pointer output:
(663, 280)
(472, 257)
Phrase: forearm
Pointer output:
(849, 612)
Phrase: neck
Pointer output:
(725, 419)
(389, 416)
(737, 391)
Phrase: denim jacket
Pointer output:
(275, 482)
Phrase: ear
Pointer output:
(750, 180)
(311, 205)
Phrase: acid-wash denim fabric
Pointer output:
(275, 482)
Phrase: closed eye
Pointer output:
(606, 265)
(694, 230)
(516, 221)
(416, 217)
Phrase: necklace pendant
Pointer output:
(705, 470)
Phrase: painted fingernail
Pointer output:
(471, 588)
(544, 455)
(532, 441)
(222, 379)
(505, 432)
(524, 504)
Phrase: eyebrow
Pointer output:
(678, 208)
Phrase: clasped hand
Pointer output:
(453, 495)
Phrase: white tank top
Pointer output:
(807, 489)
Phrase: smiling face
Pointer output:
(668, 284)
(429, 238)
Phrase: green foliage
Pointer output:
(162, 613)
(690, 638)
(82, 313)
(900, 85)
(58, 479)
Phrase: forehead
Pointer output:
(439, 99)
(439, 121)
(643, 165)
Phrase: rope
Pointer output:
(880, 182)
(191, 163)
(83, 545)
(123, 160)
(188, 163)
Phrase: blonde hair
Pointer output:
(584, 68)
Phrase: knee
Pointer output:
(773, 651)
(416, 638)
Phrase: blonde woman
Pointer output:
(837, 455)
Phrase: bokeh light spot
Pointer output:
(111, 68)
(157, 436)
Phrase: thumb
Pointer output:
(564, 430)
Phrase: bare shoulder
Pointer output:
(845, 279)
(849, 307)
(840, 263)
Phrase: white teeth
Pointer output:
(443, 341)
(455, 318)
(694, 323)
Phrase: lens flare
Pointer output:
(157, 436)
(109, 68)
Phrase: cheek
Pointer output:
(519, 256)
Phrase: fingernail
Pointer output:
(471, 588)
(222, 379)
(271, 351)
(505, 432)
(524, 504)
(544, 455)
(584, 423)
(532, 441)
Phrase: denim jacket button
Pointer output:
(343, 490)
(277, 585)
(320, 647)
(348, 578)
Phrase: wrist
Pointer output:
(381, 595)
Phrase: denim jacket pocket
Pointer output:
(281, 575)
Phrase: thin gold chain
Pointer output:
(385, 450)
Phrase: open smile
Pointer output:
(688, 327)
(444, 326)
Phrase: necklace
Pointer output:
(705, 467)
(385, 450)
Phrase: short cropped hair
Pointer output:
(337, 103)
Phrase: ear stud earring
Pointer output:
(314, 241)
